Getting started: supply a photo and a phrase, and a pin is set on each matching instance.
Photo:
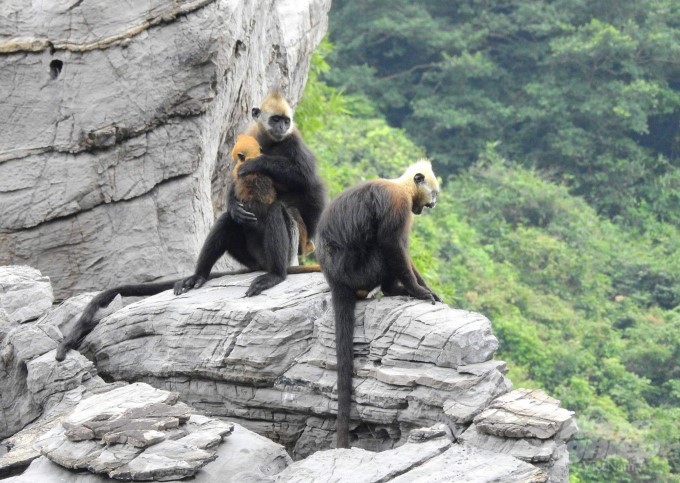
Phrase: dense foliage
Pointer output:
(587, 92)
(583, 307)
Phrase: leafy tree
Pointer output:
(586, 92)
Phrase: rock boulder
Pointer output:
(269, 361)
(110, 169)
(428, 396)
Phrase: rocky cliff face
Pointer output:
(267, 364)
(113, 117)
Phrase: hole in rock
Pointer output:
(239, 48)
(55, 68)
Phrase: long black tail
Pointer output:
(86, 323)
(344, 302)
(303, 269)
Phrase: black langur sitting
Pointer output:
(263, 243)
(290, 164)
(363, 244)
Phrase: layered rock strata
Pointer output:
(114, 119)
(268, 363)
(134, 432)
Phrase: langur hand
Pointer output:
(242, 216)
(427, 295)
(250, 167)
(183, 286)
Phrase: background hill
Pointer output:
(554, 126)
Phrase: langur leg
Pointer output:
(276, 247)
(401, 267)
(391, 288)
(422, 283)
(225, 236)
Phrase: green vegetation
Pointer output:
(588, 92)
(584, 306)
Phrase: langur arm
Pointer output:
(312, 208)
(281, 169)
(213, 248)
(396, 255)
(236, 210)
(422, 283)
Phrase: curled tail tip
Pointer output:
(61, 354)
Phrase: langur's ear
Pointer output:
(256, 112)
(241, 156)
(419, 178)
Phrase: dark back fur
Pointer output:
(309, 201)
(351, 232)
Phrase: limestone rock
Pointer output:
(65, 315)
(134, 432)
(30, 380)
(268, 362)
(5, 323)
(474, 465)
(359, 465)
(526, 413)
(531, 450)
(529, 425)
(243, 456)
(25, 294)
(36, 391)
(432, 458)
(111, 168)
(21, 451)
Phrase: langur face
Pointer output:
(277, 125)
(427, 190)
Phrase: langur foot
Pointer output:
(262, 283)
(183, 286)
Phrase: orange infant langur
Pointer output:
(257, 192)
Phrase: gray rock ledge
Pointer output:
(136, 433)
(429, 398)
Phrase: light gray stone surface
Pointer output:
(134, 432)
(268, 362)
(30, 381)
(529, 425)
(241, 457)
(358, 465)
(25, 294)
(110, 168)
(473, 465)
(426, 458)
(526, 413)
